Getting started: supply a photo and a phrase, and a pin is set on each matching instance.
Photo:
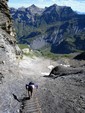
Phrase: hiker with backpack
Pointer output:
(30, 88)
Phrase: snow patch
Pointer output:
(65, 65)
(45, 73)
(50, 67)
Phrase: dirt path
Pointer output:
(30, 105)
(62, 95)
(34, 70)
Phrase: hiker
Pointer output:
(30, 87)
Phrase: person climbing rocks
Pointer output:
(30, 88)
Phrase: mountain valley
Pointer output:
(57, 29)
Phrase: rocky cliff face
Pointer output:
(8, 64)
(5, 18)
(7, 31)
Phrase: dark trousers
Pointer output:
(30, 91)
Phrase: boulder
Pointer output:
(59, 71)
(80, 56)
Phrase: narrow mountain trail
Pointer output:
(31, 105)
(33, 70)
(61, 95)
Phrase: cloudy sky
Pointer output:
(77, 5)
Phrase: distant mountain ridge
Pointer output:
(57, 29)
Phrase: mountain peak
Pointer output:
(55, 5)
(35, 10)
(59, 7)
(33, 6)
(21, 9)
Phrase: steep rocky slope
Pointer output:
(65, 94)
(5, 18)
(8, 52)
(7, 34)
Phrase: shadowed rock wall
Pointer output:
(5, 19)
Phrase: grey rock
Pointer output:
(60, 71)
(5, 18)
